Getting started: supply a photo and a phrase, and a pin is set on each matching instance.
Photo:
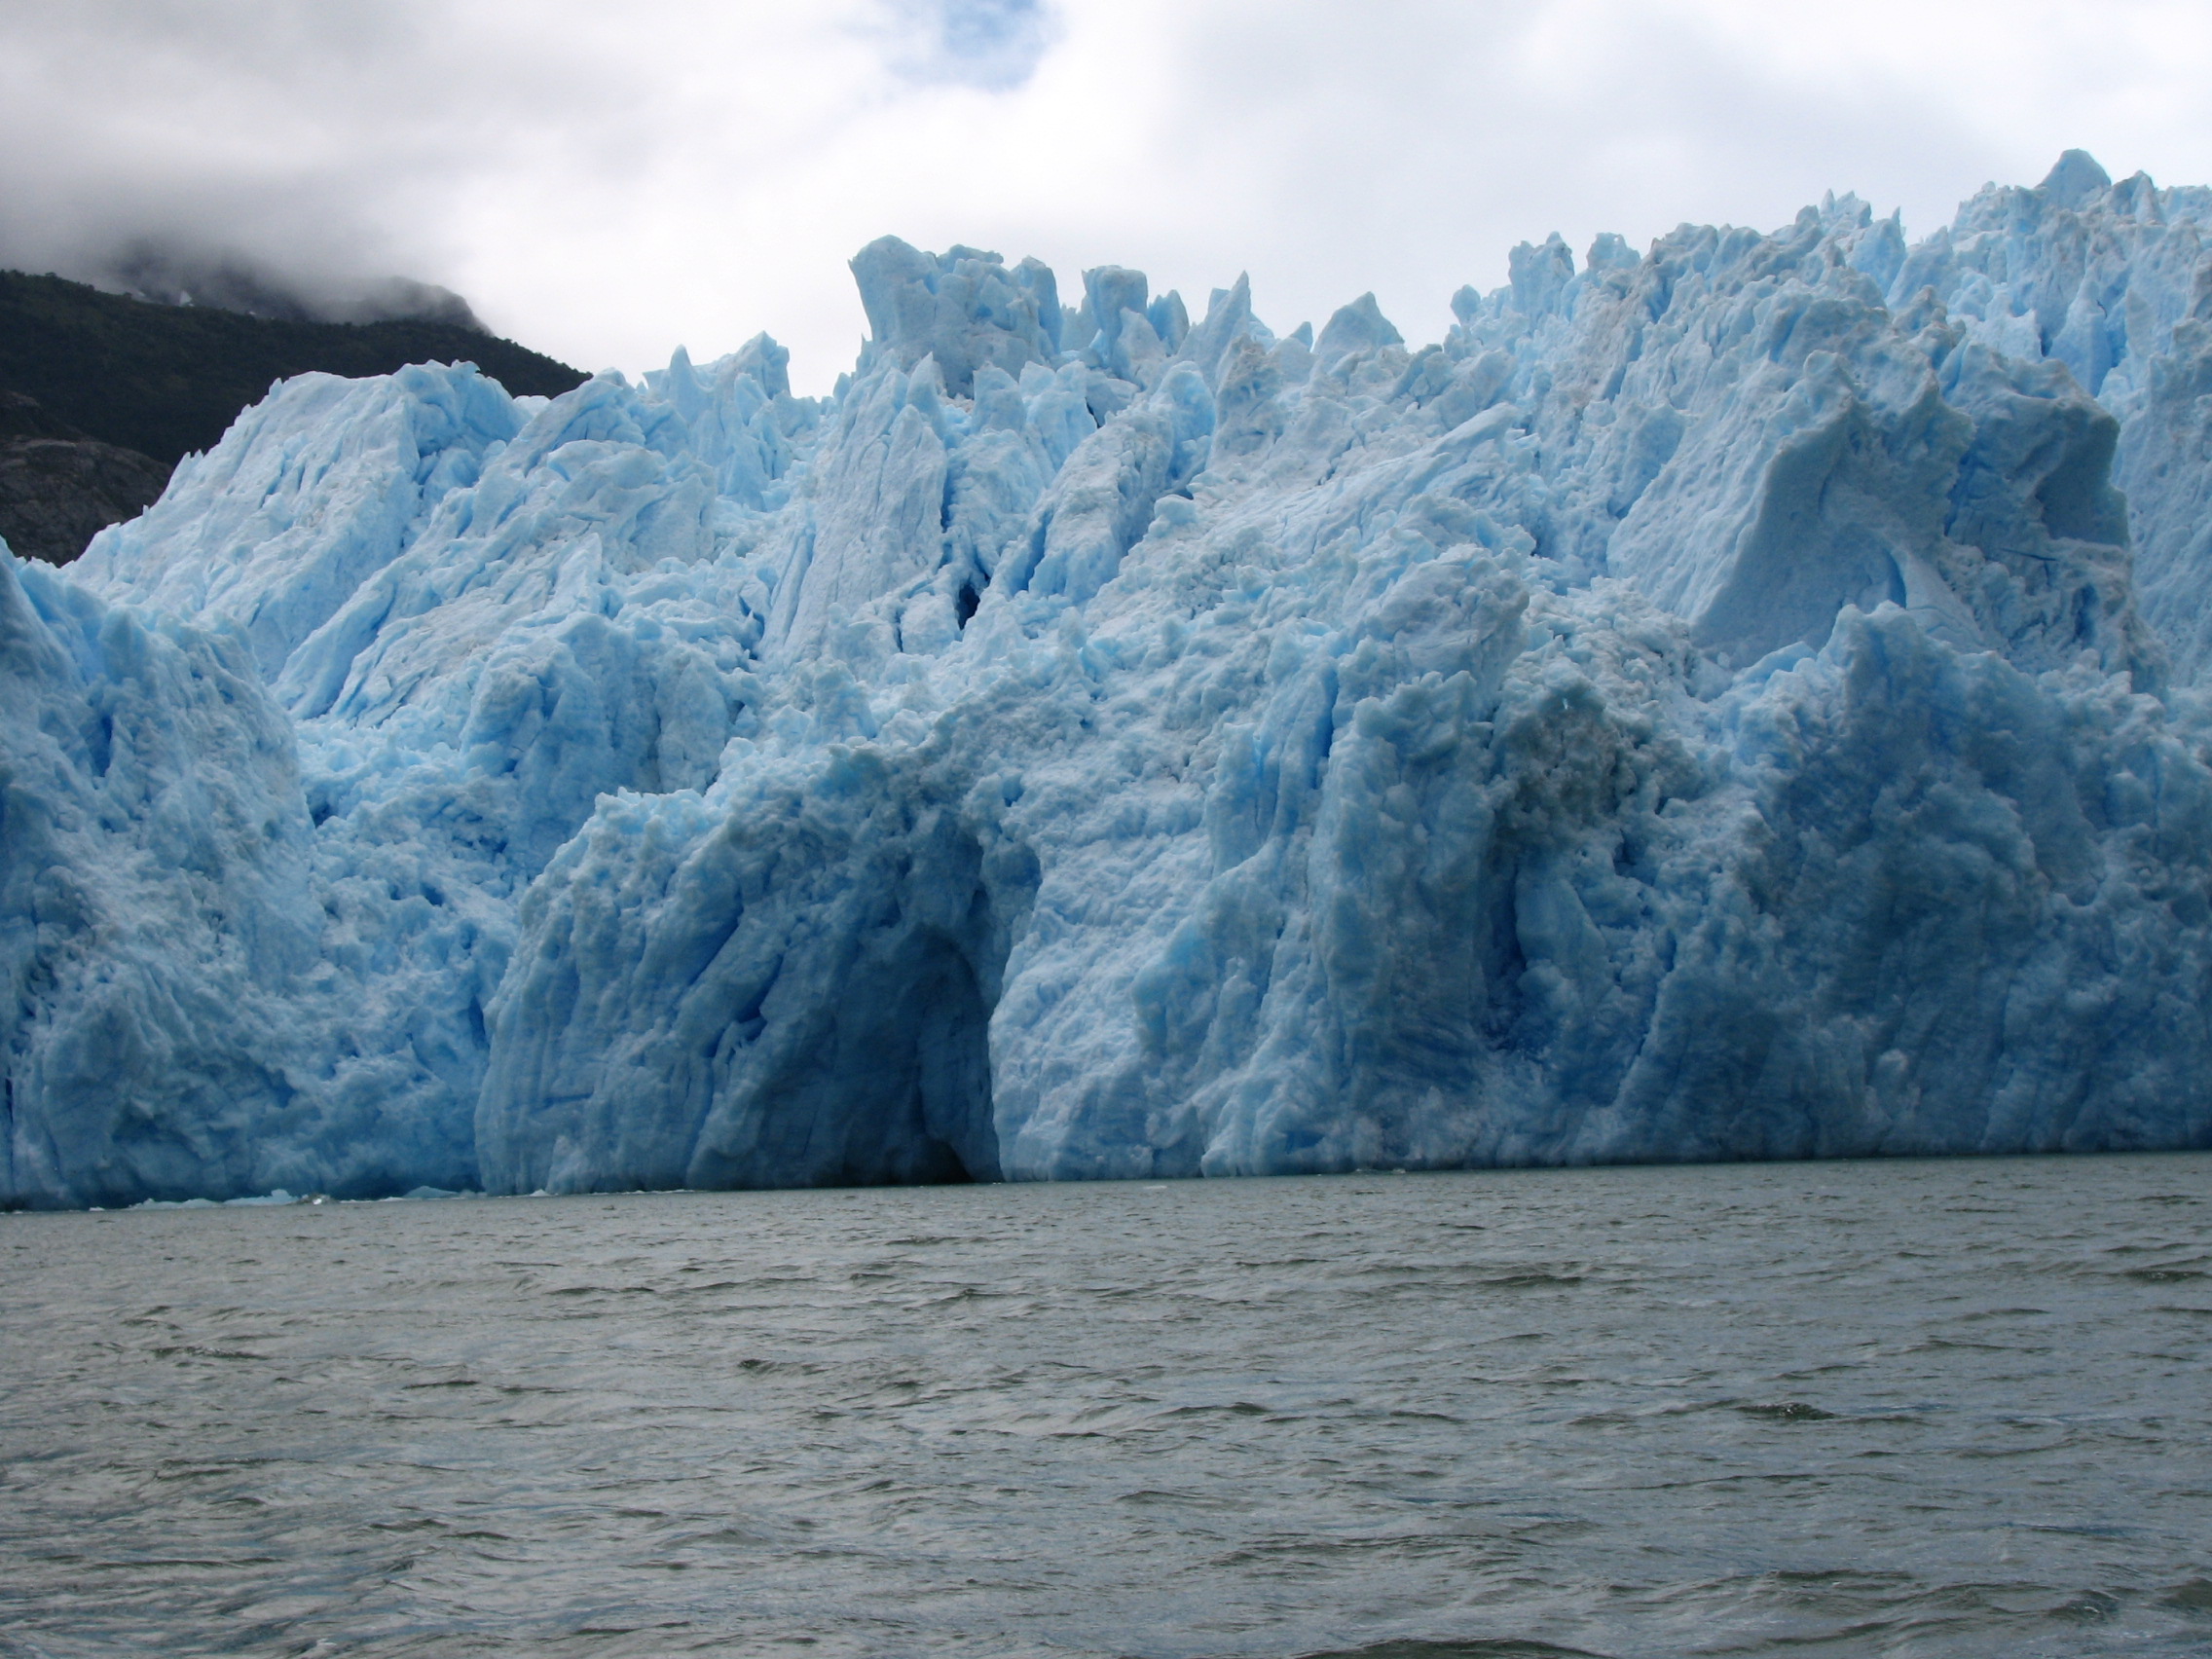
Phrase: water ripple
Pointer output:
(1939, 1409)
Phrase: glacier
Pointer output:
(1738, 700)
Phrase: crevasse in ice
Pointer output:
(1737, 701)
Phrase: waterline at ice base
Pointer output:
(1736, 701)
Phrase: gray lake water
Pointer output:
(1911, 1408)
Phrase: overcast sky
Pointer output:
(604, 181)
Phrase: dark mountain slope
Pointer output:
(59, 488)
(166, 380)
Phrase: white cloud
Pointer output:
(603, 182)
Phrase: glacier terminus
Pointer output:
(1740, 700)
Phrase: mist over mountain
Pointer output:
(172, 274)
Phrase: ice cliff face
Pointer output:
(1706, 707)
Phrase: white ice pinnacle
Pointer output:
(1730, 702)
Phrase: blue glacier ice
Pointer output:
(1739, 700)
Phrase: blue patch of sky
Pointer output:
(992, 43)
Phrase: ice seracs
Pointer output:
(1737, 700)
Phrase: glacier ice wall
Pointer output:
(1734, 701)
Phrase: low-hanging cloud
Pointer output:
(218, 144)
(605, 183)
